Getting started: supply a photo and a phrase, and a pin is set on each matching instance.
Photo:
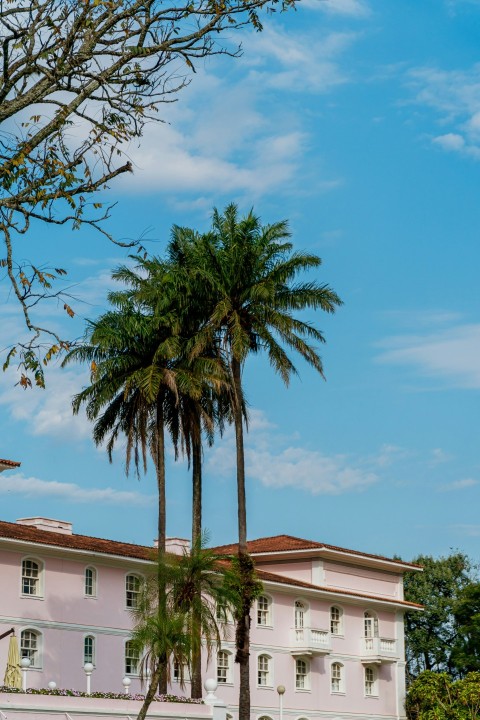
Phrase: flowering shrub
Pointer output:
(104, 695)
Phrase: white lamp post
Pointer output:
(126, 682)
(88, 668)
(281, 693)
(25, 664)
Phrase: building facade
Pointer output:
(328, 625)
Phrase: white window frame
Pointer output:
(305, 614)
(269, 670)
(40, 586)
(370, 615)
(126, 590)
(136, 672)
(340, 632)
(267, 612)
(38, 656)
(94, 593)
(228, 668)
(94, 649)
(340, 679)
(176, 672)
(305, 675)
(223, 614)
(371, 683)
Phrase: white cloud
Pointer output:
(467, 529)
(354, 8)
(275, 462)
(242, 141)
(439, 457)
(455, 96)
(17, 484)
(451, 354)
(459, 485)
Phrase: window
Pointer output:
(263, 610)
(336, 618)
(90, 582)
(31, 577)
(89, 649)
(301, 674)
(336, 677)
(132, 658)
(370, 623)
(370, 682)
(30, 647)
(180, 672)
(300, 611)
(264, 679)
(132, 590)
(223, 667)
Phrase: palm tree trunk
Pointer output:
(196, 678)
(162, 529)
(242, 632)
(158, 672)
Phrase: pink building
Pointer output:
(328, 627)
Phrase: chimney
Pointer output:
(57, 526)
(175, 545)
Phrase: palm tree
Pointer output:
(196, 584)
(246, 274)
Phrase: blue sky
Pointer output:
(359, 122)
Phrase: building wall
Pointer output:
(64, 616)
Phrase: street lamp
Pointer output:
(281, 693)
(126, 682)
(88, 668)
(25, 664)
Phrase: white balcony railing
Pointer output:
(310, 641)
(378, 649)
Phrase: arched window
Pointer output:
(336, 677)
(89, 649)
(132, 591)
(300, 613)
(301, 674)
(223, 667)
(90, 582)
(370, 624)
(132, 659)
(30, 647)
(264, 671)
(336, 620)
(370, 681)
(32, 577)
(263, 610)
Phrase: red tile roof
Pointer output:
(289, 543)
(14, 531)
(28, 533)
(10, 463)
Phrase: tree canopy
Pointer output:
(78, 81)
(432, 635)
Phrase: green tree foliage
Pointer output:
(195, 584)
(431, 635)
(466, 649)
(434, 696)
(78, 81)
(246, 277)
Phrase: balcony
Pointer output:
(309, 641)
(378, 650)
